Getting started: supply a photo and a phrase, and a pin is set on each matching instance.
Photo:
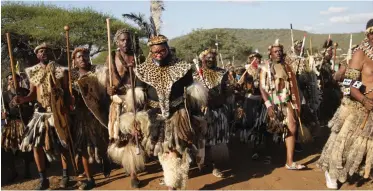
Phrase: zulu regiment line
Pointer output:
(137, 108)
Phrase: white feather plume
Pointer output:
(277, 42)
(156, 9)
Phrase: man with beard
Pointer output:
(12, 133)
(279, 89)
(121, 95)
(350, 144)
(171, 99)
(46, 131)
(89, 127)
(215, 79)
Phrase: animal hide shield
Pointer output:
(295, 98)
(89, 87)
(59, 113)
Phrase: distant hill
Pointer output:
(261, 38)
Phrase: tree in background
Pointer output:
(31, 24)
(229, 46)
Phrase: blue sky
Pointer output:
(181, 17)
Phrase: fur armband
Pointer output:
(197, 95)
(352, 74)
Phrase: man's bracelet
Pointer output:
(268, 103)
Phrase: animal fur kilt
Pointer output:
(12, 134)
(253, 121)
(349, 148)
(218, 133)
(177, 138)
(122, 147)
(90, 137)
(40, 132)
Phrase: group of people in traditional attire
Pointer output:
(133, 109)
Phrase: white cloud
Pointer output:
(308, 28)
(332, 10)
(352, 18)
(314, 28)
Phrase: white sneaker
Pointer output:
(330, 183)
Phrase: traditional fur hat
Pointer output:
(255, 54)
(41, 46)
(119, 32)
(298, 42)
(79, 49)
(160, 39)
(205, 52)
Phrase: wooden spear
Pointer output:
(10, 50)
(109, 49)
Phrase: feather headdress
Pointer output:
(152, 27)
(156, 9)
(276, 44)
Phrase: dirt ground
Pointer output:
(242, 173)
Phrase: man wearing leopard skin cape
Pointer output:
(90, 114)
(216, 113)
(171, 96)
(349, 149)
(47, 130)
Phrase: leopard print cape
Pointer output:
(211, 77)
(162, 78)
(39, 76)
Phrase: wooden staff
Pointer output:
(71, 149)
(109, 49)
(365, 120)
(335, 55)
(67, 28)
(15, 82)
(311, 46)
(303, 43)
(349, 53)
(10, 50)
(292, 37)
(133, 93)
